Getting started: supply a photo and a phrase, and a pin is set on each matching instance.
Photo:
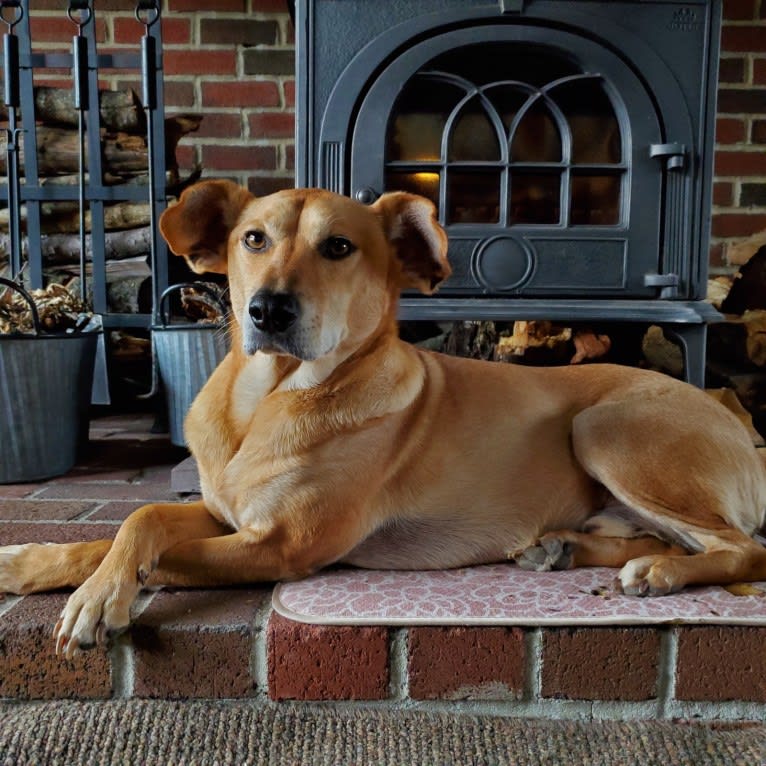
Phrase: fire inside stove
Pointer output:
(512, 136)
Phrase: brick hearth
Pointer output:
(222, 644)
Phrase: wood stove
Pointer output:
(567, 145)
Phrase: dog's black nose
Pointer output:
(273, 312)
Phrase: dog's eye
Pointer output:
(255, 240)
(336, 248)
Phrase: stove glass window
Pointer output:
(509, 135)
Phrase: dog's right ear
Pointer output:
(198, 225)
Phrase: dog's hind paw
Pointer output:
(550, 553)
(647, 576)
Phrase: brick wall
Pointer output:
(739, 193)
(232, 61)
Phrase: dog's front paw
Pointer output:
(647, 576)
(551, 552)
(17, 568)
(97, 611)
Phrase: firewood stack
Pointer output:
(124, 161)
(737, 347)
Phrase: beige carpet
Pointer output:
(201, 733)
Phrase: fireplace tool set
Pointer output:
(48, 378)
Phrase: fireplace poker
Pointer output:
(12, 103)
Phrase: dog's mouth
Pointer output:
(271, 344)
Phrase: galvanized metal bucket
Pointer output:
(45, 388)
(186, 355)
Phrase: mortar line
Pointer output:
(8, 602)
(398, 682)
(666, 675)
(259, 651)
(533, 653)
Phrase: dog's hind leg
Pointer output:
(567, 549)
(35, 567)
(687, 471)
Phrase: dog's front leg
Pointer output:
(100, 607)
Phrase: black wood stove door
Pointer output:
(538, 147)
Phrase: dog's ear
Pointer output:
(198, 225)
(420, 242)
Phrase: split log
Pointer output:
(535, 342)
(119, 110)
(590, 345)
(662, 354)
(58, 149)
(730, 400)
(65, 248)
(748, 290)
(64, 217)
(475, 340)
(740, 341)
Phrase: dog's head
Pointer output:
(308, 270)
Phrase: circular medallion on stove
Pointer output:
(503, 263)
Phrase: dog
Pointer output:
(323, 438)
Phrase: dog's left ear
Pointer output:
(198, 225)
(410, 224)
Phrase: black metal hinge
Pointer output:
(667, 284)
(674, 154)
(511, 6)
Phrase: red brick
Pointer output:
(272, 125)
(200, 62)
(115, 510)
(186, 156)
(739, 10)
(600, 663)
(466, 663)
(197, 644)
(720, 662)
(44, 510)
(220, 125)
(261, 185)
(210, 5)
(18, 533)
(241, 157)
(238, 32)
(728, 225)
(269, 6)
(723, 193)
(732, 70)
(175, 31)
(29, 668)
(741, 100)
(717, 255)
(759, 70)
(263, 61)
(140, 493)
(58, 28)
(757, 135)
(178, 93)
(729, 130)
(289, 87)
(740, 163)
(290, 157)
(322, 662)
(750, 38)
(240, 94)
(18, 490)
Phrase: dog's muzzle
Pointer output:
(273, 313)
(274, 325)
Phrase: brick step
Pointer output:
(229, 644)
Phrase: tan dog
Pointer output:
(323, 438)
